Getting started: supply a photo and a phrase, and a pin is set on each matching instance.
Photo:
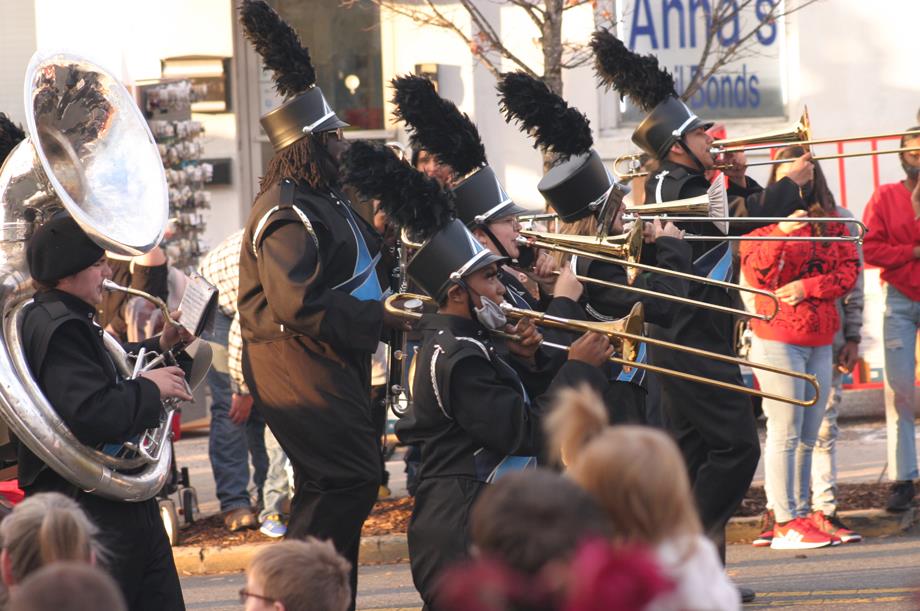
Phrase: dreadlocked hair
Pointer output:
(307, 161)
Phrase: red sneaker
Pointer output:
(799, 534)
(831, 525)
(767, 524)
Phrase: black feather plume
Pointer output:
(437, 125)
(409, 198)
(10, 135)
(555, 125)
(638, 76)
(278, 44)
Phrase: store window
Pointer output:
(344, 44)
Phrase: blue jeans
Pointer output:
(279, 481)
(902, 319)
(230, 445)
(791, 429)
(824, 459)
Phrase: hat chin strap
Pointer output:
(501, 249)
(687, 150)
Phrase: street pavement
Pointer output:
(881, 575)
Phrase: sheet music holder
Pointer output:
(198, 306)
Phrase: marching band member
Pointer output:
(309, 302)
(714, 428)
(64, 348)
(579, 189)
(473, 412)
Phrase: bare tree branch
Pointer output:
(712, 61)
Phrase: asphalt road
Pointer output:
(881, 575)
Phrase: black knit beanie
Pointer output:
(60, 248)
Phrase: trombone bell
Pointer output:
(799, 132)
(626, 246)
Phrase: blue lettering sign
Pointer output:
(666, 7)
(766, 33)
(735, 25)
(696, 5)
(643, 30)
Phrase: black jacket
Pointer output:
(471, 408)
(69, 361)
(288, 273)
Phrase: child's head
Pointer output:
(68, 586)
(298, 575)
(636, 473)
(45, 528)
(530, 518)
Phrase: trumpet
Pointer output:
(626, 333)
(624, 250)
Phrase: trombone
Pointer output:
(623, 250)
(713, 207)
(800, 134)
(626, 333)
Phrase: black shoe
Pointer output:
(902, 496)
(747, 594)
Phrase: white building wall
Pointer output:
(129, 38)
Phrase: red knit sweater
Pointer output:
(893, 234)
(828, 271)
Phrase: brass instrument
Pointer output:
(88, 151)
(624, 252)
(713, 207)
(626, 332)
(800, 134)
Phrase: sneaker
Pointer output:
(799, 533)
(767, 523)
(273, 526)
(383, 492)
(902, 496)
(239, 519)
(831, 525)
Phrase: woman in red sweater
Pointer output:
(808, 278)
(893, 244)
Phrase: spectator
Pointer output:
(808, 277)
(893, 244)
(44, 528)
(297, 576)
(639, 478)
(237, 431)
(68, 586)
(530, 518)
(824, 462)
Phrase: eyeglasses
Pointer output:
(244, 594)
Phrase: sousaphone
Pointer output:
(89, 152)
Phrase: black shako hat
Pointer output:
(305, 110)
(480, 198)
(60, 248)
(447, 257)
(424, 210)
(665, 125)
(650, 87)
(577, 184)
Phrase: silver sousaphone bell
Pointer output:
(89, 152)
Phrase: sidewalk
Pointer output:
(861, 459)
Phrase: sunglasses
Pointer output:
(244, 594)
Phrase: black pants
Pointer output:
(140, 558)
(717, 435)
(319, 409)
(625, 403)
(439, 530)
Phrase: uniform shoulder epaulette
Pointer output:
(456, 347)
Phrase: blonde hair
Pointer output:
(306, 575)
(636, 473)
(45, 528)
(583, 226)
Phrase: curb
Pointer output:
(390, 549)
(384, 549)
